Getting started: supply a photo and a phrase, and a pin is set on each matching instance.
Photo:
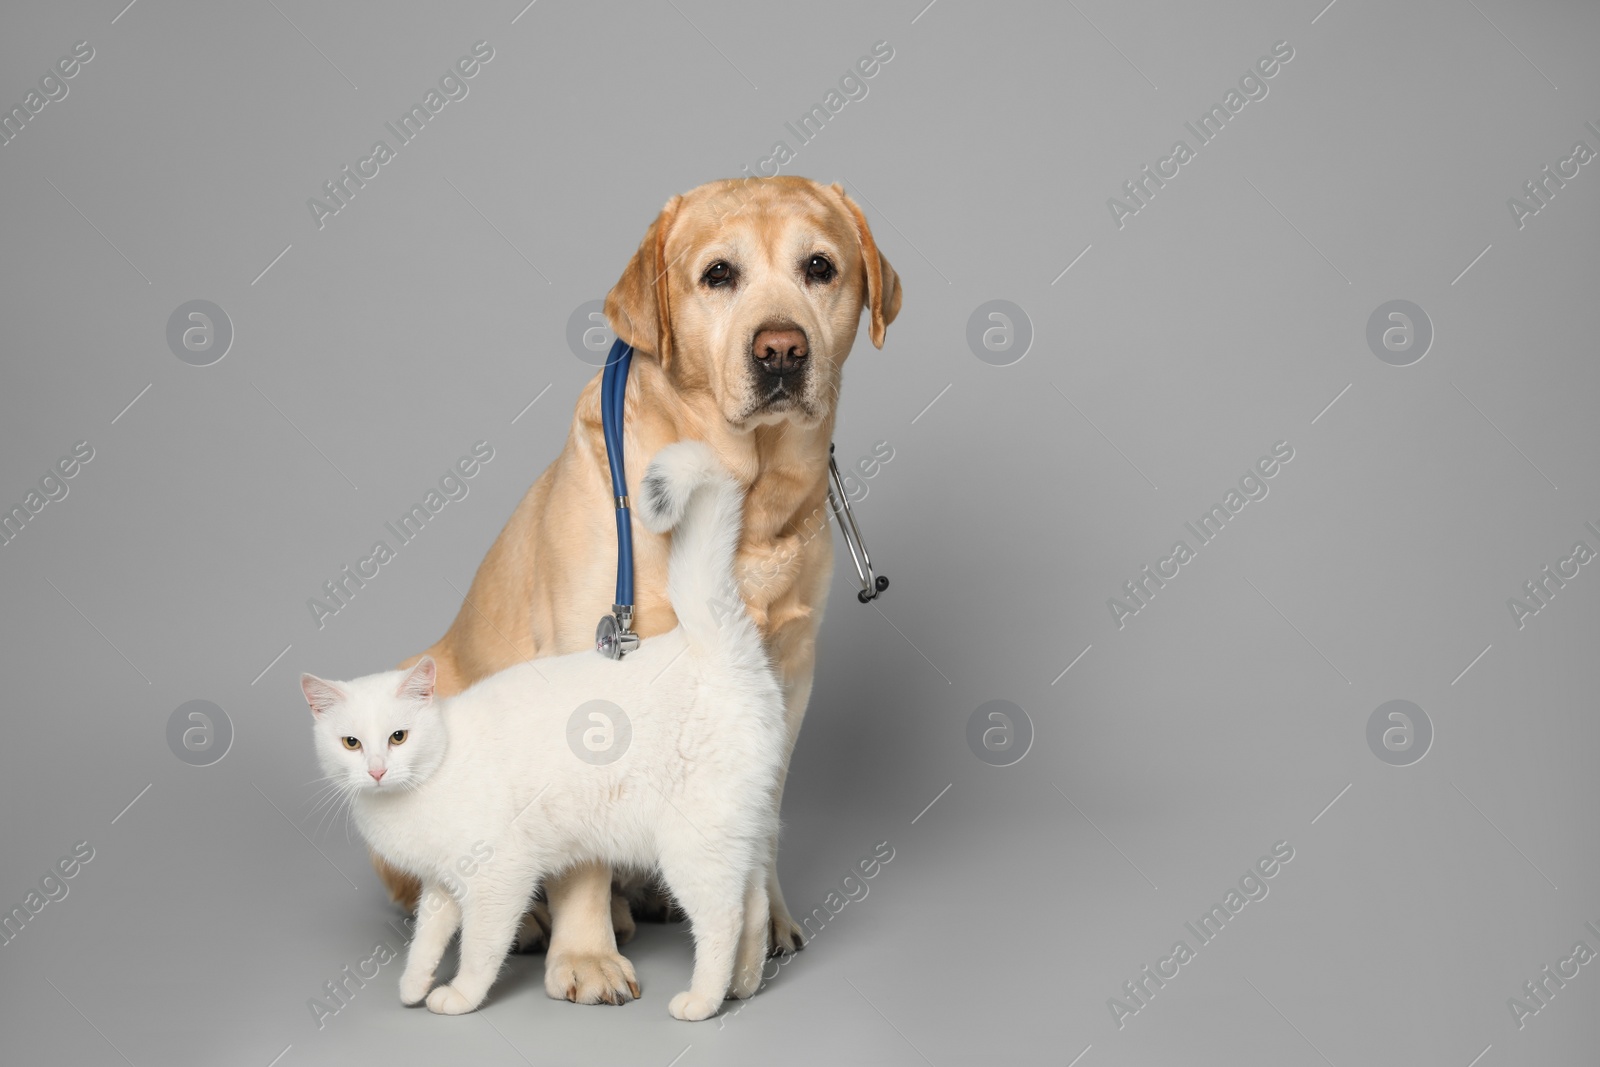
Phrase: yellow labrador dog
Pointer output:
(743, 301)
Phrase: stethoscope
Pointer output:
(614, 637)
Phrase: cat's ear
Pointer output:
(418, 685)
(321, 695)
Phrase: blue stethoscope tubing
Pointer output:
(613, 387)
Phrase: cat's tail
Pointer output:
(687, 490)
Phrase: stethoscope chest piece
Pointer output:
(614, 637)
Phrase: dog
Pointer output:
(742, 301)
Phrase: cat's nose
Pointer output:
(377, 775)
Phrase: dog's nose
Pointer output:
(780, 350)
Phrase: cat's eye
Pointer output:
(352, 743)
(398, 737)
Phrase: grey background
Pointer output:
(1224, 317)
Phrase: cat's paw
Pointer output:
(691, 1007)
(414, 987)
(447, 1001)
(784, 939)
(590, 978)
(746, 981)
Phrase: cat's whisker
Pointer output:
(314, 817)
(342, 791)
(320, 794)
(328, 796)
(330, 815)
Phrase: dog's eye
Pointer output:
(352, 743)
(819, 268)
(718, 275)
(398, 737)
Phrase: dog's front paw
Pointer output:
(590, 978)
(691, 1007)
(414, 987)
(447, 1001)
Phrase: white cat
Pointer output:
(667, 758)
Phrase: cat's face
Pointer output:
(378, 734)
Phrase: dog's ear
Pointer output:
(637, 306)
(882, 298)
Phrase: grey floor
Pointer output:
(1147, 357)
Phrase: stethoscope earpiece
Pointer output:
(871, 584)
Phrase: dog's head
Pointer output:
(750, 291)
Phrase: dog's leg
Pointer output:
(437, 921)
(622, 924)
(583, 964)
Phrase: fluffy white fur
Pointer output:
(694, 794)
